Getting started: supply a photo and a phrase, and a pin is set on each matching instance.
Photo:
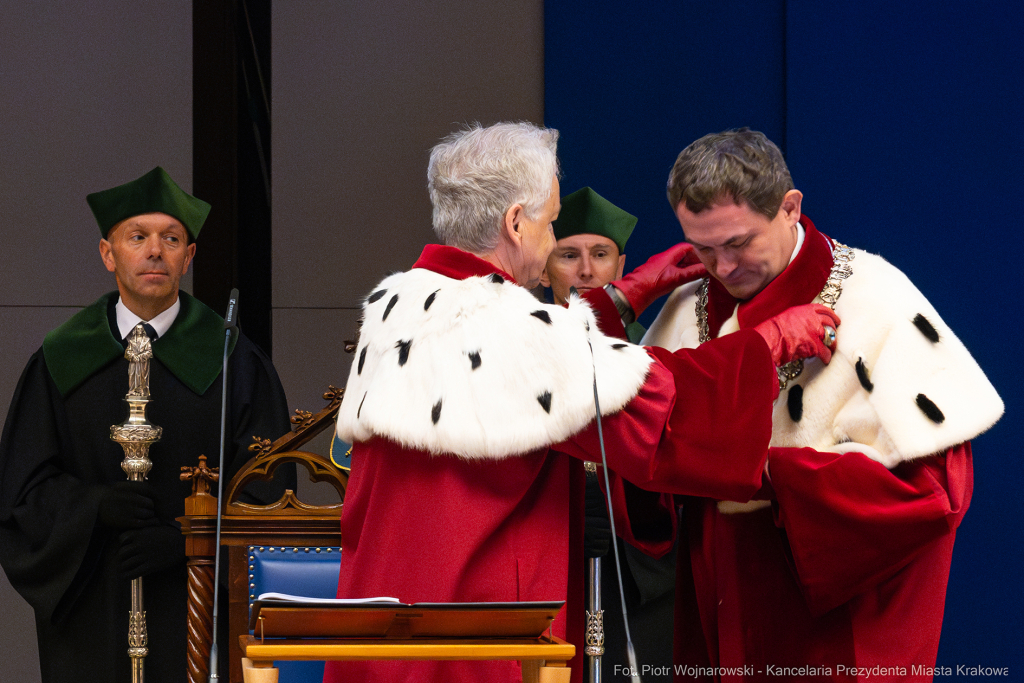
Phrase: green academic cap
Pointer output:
(154, 192)
(586, 212)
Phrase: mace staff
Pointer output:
(135, 435)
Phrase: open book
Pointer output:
(284, 597)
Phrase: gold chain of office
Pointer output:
(841, 269)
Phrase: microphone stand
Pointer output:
(230, 324)
(630, 653)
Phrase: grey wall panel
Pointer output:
(309, 355)
(362, 91)
(94, 94)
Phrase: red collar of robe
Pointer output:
(798, 284)
(456, 264)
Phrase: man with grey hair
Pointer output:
(467, 394)
(839, 568)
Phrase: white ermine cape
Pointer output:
(900, 386)
(479, 368)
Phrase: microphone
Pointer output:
(230, 324)
(231, 316)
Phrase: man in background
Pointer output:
(590, 253)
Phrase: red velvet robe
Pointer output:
(437, 528)
(846, 569)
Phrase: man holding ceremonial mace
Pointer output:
(73, 532)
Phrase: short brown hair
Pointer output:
(743, 164)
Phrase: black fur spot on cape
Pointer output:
(360, 410)
(619, 346)
(435, 412)
(545, 401)
(474, 359)
(542, 315)
(795, 402)
(862, 375)
(375, 297)
(403, 351)
(391, 304)
(926, 328)
(930, 409)
(362, 359)
(496, 279)
(430, 299)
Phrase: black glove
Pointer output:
(128, 505)
(149, 549)
(597, 531)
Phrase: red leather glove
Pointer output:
(799, 332)
(660, 275)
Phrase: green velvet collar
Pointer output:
(191, 349)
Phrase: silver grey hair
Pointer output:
(476, 174)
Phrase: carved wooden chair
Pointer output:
(287, 522)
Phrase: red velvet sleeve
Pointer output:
(852, 524)
(700, 425)
(608, 319)
(645, 519)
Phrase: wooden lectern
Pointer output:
(544, 660)
(422, 631)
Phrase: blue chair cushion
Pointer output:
(310, 572)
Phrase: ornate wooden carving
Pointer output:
(288, 521)
(260, 446)
(302, 419)
(306, 430)
(201, 478)
(262, 468)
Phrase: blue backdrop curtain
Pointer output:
(901, 123)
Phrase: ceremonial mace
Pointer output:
(136, 435)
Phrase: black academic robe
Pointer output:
(55, 458)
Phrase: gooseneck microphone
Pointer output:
(230, 325)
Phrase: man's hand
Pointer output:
(660, 275)
(149, 549)
(799, 332)
(128, 505)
